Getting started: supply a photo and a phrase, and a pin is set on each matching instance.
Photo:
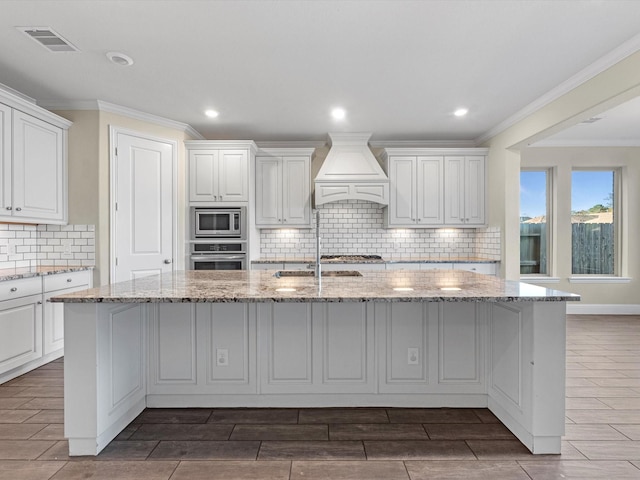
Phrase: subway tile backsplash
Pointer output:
(357, 227)
(47, 245)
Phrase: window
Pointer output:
(593, 222)
(534, 224)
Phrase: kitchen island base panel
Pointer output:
(123, 357)
(318, 401)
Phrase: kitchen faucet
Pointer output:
(318, 271)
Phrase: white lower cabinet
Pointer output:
(485, 268)
(31, 335)
(20, 331)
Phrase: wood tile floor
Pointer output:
(602, 432)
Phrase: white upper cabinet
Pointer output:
(33, 162)
(219, 171)
(283, 188)
(416, 191)
(435, 187)
(465, 190)
(218, 176)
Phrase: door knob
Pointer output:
(9, 208)
(18, 209)
(167, 261)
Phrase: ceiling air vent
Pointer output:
(591, 120)
(49, 39)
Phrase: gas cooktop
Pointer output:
(351, 258)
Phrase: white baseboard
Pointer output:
(602, 309)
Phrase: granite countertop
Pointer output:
(263, 286)
(312, 261)
(26, 272)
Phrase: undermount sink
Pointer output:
(307, 273)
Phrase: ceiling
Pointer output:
(274, 69)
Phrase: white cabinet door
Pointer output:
(268, 191)
(402, 178)
(233, 176)
(464, 190)
(474, 190)
(20, 331)
(454, 191)
(203, 165)
(39, 179)
(296, 194)
(5, 160)
(430, 190)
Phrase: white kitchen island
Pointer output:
(248, 339)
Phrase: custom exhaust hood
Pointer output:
(351, 172)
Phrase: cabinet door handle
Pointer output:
(14, 289)
(39, 303)
(69, 280)
(167, 261)
(18, 209)
(9, 208)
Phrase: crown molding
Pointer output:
(422, 144)
(618, 54)
(6, 89)
(148, 117)
(124, 111)
(592, 142)
(291, 144)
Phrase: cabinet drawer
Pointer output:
(67, 280)
(20, 288)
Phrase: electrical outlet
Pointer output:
(413, 356)
(222, 357)
(66, 249)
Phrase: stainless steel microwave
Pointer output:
(218, 222)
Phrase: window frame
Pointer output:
(550, 199)
(618, 212)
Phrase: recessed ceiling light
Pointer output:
(403, 289)
(338, 113)
(451, 289)
(285, 289)
(461, 112)
(120, 58)
(211, 113)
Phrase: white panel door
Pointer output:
(5, 160)
(403, 184)
(430, 190)
(144, 215)
(296, 199)
(268, 191)
(38, 168)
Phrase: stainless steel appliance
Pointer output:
(218, 255)
(223, 223)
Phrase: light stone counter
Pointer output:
(27, 272)
(263, 286)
